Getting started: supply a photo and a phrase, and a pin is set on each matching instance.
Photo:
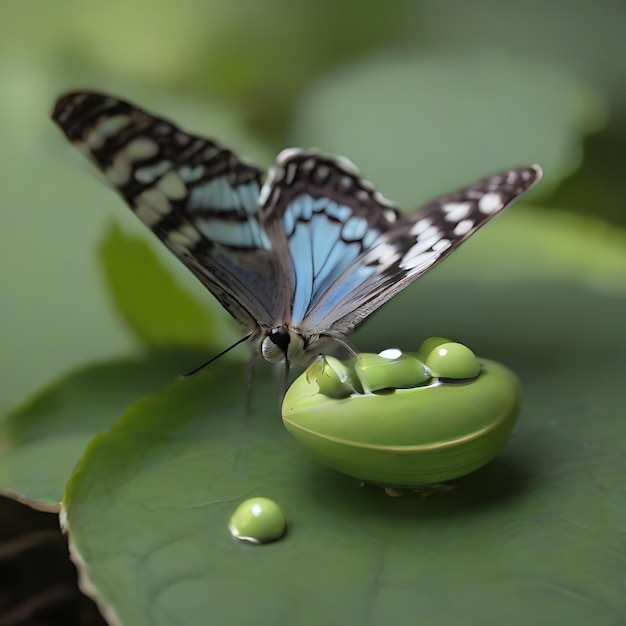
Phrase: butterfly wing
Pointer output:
(196, 196)
(322, 252)
(351, 248)
(327, 218)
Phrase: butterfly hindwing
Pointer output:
(197, 197)
(328, 216)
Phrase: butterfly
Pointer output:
(298, 257)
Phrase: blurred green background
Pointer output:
(423, 96)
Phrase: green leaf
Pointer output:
(152, 530)
(422, 126)
(157, 309)
(148, 506)
(42, 440)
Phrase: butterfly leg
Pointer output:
(250, 378)
(285, 383)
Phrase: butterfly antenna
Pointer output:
(217, 356)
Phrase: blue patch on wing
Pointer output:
(324, 238)
(227, 214)
(350, 282)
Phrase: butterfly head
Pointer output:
(282, 343)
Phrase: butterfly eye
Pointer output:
(275, 345)
(449, 418)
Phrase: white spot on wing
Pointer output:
(190, 232)
(151, 205)
(172, 186)
(344, 184)
(420, 254)
(456, 211)
(286, 154)
(418, 261)
(290, 173)
(105, 128)
(463, 227)
(147, 214)
(383, 201)
(490, 203)
(420, 226)
(347, 165)
(385, 254)
(141, 148)
(119, 170)
(149, 174)
(430, 233)
(321, 173)
(308, 165)
(264, 194)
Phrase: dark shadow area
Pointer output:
(39, 585)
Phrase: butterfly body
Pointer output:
(299, 257)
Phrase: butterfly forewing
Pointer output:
(199, 198)
(416, 243)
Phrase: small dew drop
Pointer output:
(258, 520)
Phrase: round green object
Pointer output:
(453, 360)
(429, 345)
(407, 437)
(258, 520)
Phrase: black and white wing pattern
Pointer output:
(298, 259)
(196, 196)
(396, 250)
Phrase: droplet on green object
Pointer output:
(453, 360)
(391, 369)
(428, 345)
(258, 520)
